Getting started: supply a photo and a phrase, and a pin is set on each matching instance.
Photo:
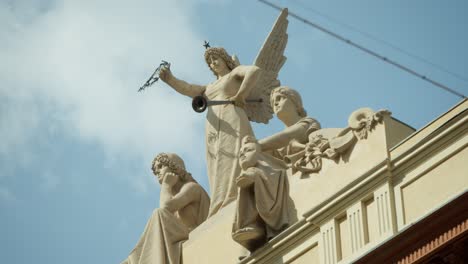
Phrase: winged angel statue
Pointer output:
(270, 59)
(228, 123)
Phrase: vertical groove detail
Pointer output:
(333, 246)
(379, 214)
(329, 245)
(383, 212)
(359, 230)
(387, 211)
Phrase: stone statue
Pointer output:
(334, 143)
(261, 209)
(183, 206)
(289, 144)
(227, 124)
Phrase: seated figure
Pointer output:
(261, 209)
(184, 205)
(288, 145)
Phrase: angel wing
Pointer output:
(270, 59)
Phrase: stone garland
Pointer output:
(360, 123)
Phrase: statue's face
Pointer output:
(165, 175)
(217, 64)
(248, 155)
(282, 104)
(160, 170)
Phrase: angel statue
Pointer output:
(227, 124)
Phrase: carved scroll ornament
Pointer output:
(360, 123)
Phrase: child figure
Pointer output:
(261, 211)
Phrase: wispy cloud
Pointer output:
(85, 60)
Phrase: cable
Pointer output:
(386, 43)
(368, 51)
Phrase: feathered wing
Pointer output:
(270, 59)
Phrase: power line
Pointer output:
(381, 41)
(366, 50)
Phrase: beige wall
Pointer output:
(440, 183)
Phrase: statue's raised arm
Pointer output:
(270, 59)
(180, 86)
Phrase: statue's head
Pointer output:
(169, 162)
(224, 60)
(248, 154)
(284, 98)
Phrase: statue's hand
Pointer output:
(165, 74)
(245, 179)
(170, 179)
(238, 100)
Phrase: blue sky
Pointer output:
(78, 140)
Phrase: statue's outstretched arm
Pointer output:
(180, 86)
(187, 194)
(282, 139)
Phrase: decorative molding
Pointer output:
(384, 213)
(356, 227)
(330, 252)
(364, 120)
(448, 132)
(360, 123)
(435, 243)
(429, 229)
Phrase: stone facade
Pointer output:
(387, 184)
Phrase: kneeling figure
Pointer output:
(261, 211)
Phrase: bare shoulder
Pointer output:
(191, 187)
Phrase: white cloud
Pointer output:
(86, 59)
(19, 118)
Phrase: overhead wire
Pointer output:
(381, 41)
(366, 50)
